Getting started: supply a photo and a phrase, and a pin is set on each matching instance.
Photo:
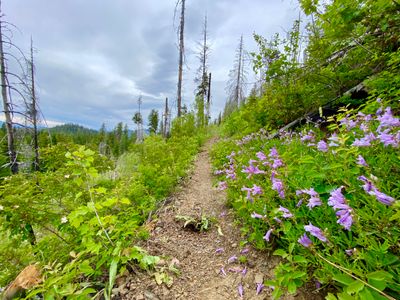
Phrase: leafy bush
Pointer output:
(83, 224)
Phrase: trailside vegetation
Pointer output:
(323, 196)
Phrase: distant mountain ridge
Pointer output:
(71, 128)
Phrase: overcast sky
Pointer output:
(95, 57)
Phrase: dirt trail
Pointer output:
(195, 254)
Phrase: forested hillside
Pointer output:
(308, 164)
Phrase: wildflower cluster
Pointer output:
(312, 192)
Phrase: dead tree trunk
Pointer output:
(239, 74)
(34, 112)
(166, 113)
(181, 54)
(12, 154)
(209, 98)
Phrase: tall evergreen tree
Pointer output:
(153, 121)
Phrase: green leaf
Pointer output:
(365, 294)
(280, 252)
(300, 259)
(113, 273)
(343, 279)
(355, 287)
(298, 274)
(292, 287)
(277, 293)
(330, 297)
(380, 285)
(380, 276)
(344, 296)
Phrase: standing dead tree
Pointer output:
(237, 78)
(181, 54)
(32, 109)
(202, 79)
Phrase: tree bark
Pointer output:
(181, 53)
(6, 106)
(34, 112)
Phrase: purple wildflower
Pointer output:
(245, 250)
(268, 235)
(315, 231)
(277, 163)
(286, 212)
(255, 215)
(222, 185)
(314, 198)
(345, 218)
(252, 170)
(277, 185)
(219, 172)
(388, 139)
(256, 190)
(222, 271)
(244, 271)
(261, 156)
(317, 284)
(219, 250)
(370, 189)
(232, 259)
(259, 288)
(365, 141)
(383, 198)
(361, 161)
(368, 185)
(349, 252)
(240, 290)
(305, 241)
(248, 190)
(310, 136)
(336, 200)
(278, 220)
(322, 146)
(273, 153)
(387, 119)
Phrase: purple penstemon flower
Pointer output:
(260, 286)
(232, 259)
(310, 136)
(388, 139)
(277, 185)
(315, 231)
(286, 212)
(248, 190)
(219, 172)
(219, 250)
(371, 189)
(252, 170)
(322, 146)
(305, 241)
(255, 215)
(267, 236)
(244, 271)
(349, 252)
(273, 153)
(222, 271)
(240, 290)
(383, 198)
(244, 251)
(261, 156)
(314, 198)
(365, 141)
(361, 161)
(344, 211)
(368, 185)
(222, 185)
(387, 119)
(277, 162)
